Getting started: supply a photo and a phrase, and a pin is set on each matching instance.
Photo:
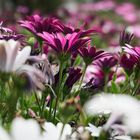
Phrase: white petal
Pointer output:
(11, 52)
(95, 131)
(53, 132)
(2, 57)
(49, 127)
(66, 131)
(4, 135)
(50, 132)
(22, 57)
(122, 138)
(25, 129)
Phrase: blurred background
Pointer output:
(46, 6)
(109, 17)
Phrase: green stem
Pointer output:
(106, 81)
(50, 109)
(136, 88)
(59, 90)
(43, 105)
(39, 106)
(12, 103)
(83, 116)
(82, 78)
(40, 45)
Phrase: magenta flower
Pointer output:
(74, 76)
(127, 11)
(125, 38)
(97, 6)
(107, 62)
(130, 62)
(11, 36)
(4, 29)
(94, 77)
(23, 9)
(89, 54)
(36, 24)
(7, 34)
(64, 44)
(70, 29)
(135, 29)
(134, 52)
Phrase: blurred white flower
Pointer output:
(11, 58)
(95, 131)
(80, 133)
(4, 135)
(22, 130)
(58, 132)
(124, 108)
(25, 130)
(122, 138)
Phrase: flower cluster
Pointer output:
(72, 76)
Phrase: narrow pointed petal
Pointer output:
(22, 57)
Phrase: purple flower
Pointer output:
(134, 52)
(135, 29)
(94, 77)
(64, 44)
(4, 29)
(98, 6)
(125, 38)
(70, 29)
(127, 11)
(36, 24)
(107, 62)
(74, 76)
(7, 34)
(22, 9)
(89, 54)
(11, 36)
(130, 62)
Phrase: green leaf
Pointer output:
(114, 87)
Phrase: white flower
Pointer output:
(25, 130)
(11, 58)
(122, 138)
(95, 131)
(4, 135)
(123, 108)
(53, 132)
(22, 130)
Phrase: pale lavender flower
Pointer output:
(41, 63)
